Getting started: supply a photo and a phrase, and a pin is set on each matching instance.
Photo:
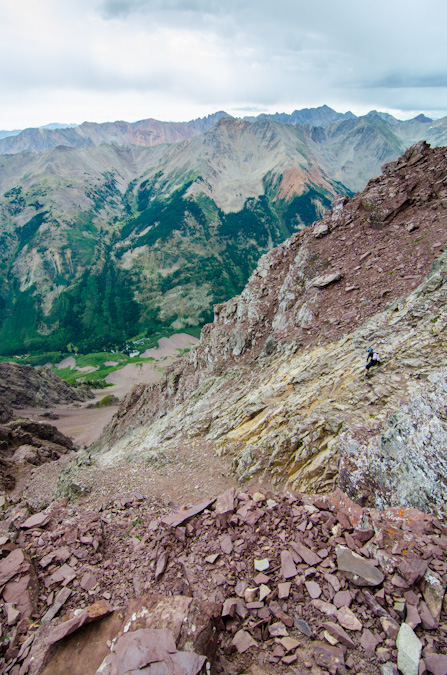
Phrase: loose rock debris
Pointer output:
(247, 583)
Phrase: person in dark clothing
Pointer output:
(372, 359)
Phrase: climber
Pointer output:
(372, 359)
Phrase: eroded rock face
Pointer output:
(276, 382)
(23, 386)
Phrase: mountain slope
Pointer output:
(277, 381)
(145, 132)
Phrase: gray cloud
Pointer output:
(198, 55)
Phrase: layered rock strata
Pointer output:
(277, 380)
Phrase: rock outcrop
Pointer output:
(22, 386)
(23, 441)
(246, 583)
(277, 380)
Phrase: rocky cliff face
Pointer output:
(277, 381)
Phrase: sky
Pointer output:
(71, 61)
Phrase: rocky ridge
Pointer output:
(250, 583)
(23, 441)
(277, 383)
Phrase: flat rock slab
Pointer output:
(288, 569)
(409, 649)
(14, 563)
(37, 520)
(176, 519)
(357, 569)
(243, 641)
(436, 664)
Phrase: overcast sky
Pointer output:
(103, 60)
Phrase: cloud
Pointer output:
(201, 55)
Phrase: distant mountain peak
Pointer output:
(422, 118)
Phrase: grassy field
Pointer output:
(97, 360)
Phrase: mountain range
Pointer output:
(109, 231)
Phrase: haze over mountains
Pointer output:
(172, 216)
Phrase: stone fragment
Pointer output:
(434, 593)
(14, 563)
(330, 638)
(226, 544)
(303, 627)
(327, 279)
(288, 643)
(176, 519)
(409, 649)
(369, 642)
(390, 627)
(342, 599)
(261, 565)
(278, 629)
(333, 581)
(250, 594)
(324, 607)
(313, 589)
(59, 601)
(388, 669)
(288, 569)
(261, 578)
(372, 603)
(338, 633)
(348, 619)
(413, 619)
(212, 558)
(320, 229)
(225, 502)
(258, 497)
(229, 607)
(284, 590)
(37, 520)
(264, 591)
(428, 622)
(309, 557)
(243, 641)
(436, 664)
(88, 582)
(161, 564)
(12, 614)
(23, 593)
(412, 569)
(357, 569)
(328, 657)
(64, 574)
(289, 659)
(80, 618)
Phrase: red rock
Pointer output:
(327, 656)
(278, 629)
(436, 664)
(45, 561)
(309, 557)
(342, 599)
(279, 614)
(288, 660)
(225, 502)
(14, 563)
(243, 641)
(288, 569)
(261, 578)
(413, 619)
(333, 581)
(390, 627)
(64, 574)
(428, 622)
(161, 564)
(12, 614)
(412, 569)
(176, 519)
(324, 607)
(229, 607)
(343, 519)
(337, 632)
(369, 642)
(23, 593)
(372, 603)
(363, 535)
(357, 569)
(88, 582)
(313, 589)
(37, 520)
(226, 544)
(284, 590)
(81, 617)
(348, 619)
(60, 600)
